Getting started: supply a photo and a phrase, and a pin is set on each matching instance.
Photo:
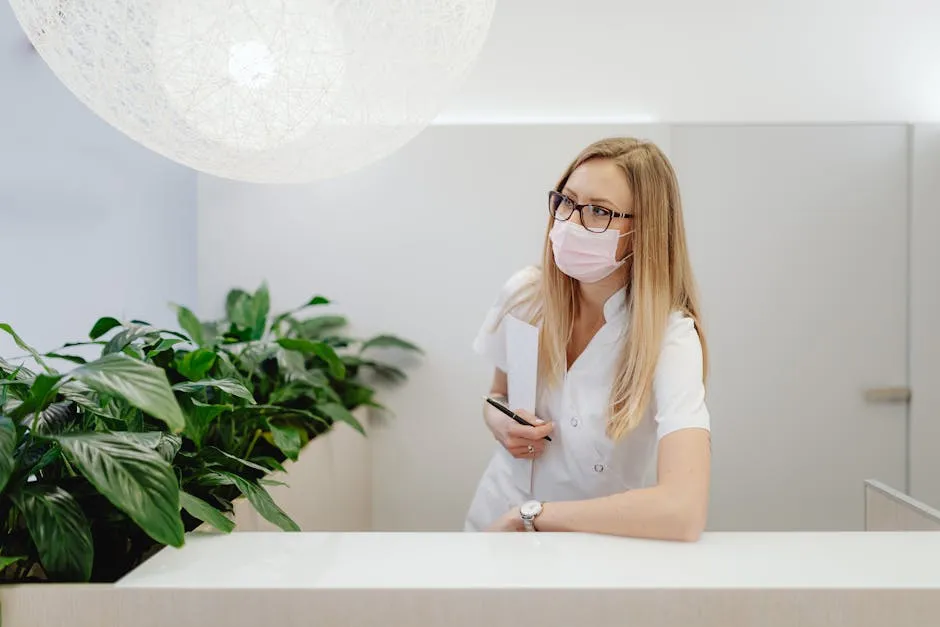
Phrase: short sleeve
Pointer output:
(490, 341)
(678, 387)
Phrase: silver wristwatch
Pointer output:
(529, 511)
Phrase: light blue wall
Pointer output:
(91, 223)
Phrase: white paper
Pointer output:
(522, 359)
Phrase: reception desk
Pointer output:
(860, 579)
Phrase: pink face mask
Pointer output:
(585, 256)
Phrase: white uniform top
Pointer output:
(581, 462)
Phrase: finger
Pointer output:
(529, 417)
(519, 453)
(530, 433)
(524, 443)
(530, 451)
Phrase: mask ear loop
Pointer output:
(629, 254)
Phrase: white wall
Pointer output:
(925, 313)
(716, 61)
(419, 244)
(91, 223)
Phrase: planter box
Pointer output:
(329, 487)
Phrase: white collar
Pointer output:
(616, 306)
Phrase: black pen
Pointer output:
(511, 414)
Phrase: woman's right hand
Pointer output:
(521, 441)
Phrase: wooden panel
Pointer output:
(777, 217)
(103, 606)
(887, 509)
(925, 303)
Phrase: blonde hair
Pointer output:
(661, 282)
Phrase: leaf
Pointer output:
(164, 344)
(190, 323)
(166, 445)
(7, 449)
(6, 561)
(243, 462)
(324, 351)
(313, 302)
(291, 362)
(290, 392)
(52, 419)
(52, 454)
(26, 347)
(41, 393)
(198, 508)
(271, 482)
(143, 385)
(213, 479)
(195, 365)
(260, 308)
(75, 359)
(231, 386)
(389, 341)
(135, 478)
(338, 413)
(315, 327)
(59, 530)
(383, 371)
(233, 305)
(123, 340)
(328, 395)
(228, 370)
(248, 313)
(80, 394)
(317, 300)
(287, 439)
(8, 368)
(93, 343)
(272, 463)
(133, 351)
(170, 444)
(199, 418)
(102, 326)
(277, 411)
(263, 503)
(386, 371)
(354, 395)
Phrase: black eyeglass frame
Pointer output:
(611, 214)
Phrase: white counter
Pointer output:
(250, 579)
(430, 561)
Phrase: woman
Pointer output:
(621, 363)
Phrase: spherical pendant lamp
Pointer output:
(268, 91)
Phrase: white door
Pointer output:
(799, 236)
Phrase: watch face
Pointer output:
(530, 509)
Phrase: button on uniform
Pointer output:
(598, 467)
(575, 421)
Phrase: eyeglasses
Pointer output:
(593, 217)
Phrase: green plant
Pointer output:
(102, 465)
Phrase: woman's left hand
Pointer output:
(510, 521)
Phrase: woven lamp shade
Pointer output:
(267, 91)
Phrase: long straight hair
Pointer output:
(660, 283)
